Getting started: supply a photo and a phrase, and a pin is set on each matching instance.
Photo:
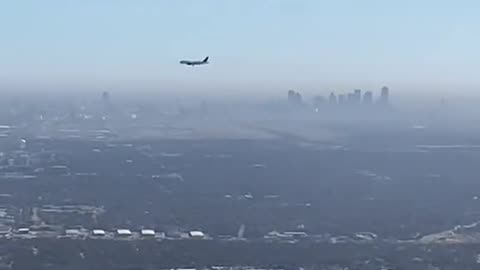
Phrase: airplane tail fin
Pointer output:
(205, 60)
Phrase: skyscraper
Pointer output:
(357, 93)
(290, 95)
(341, 99)
(367, 97)
(106, 97)
(298, 98)
(294, 97)
(107, 105)
(384, 95)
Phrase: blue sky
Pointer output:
(267, 45)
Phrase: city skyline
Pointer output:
(355, 97)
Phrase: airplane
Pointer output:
(194, 63)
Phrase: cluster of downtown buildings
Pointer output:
(354, 97)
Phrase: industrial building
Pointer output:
(23, 231)
(124, 232)
(98, 232)
(147, 233)
(196, 234)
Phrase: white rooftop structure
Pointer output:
(146, 232)
(124, 232)
(99, 232)
(197, 234)
(72, 232)
(23, 230)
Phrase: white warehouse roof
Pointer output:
(197, 234)
(98, 232)
(23, 230)
(124, 232)
(146, 232)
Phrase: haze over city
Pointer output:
(239, 135)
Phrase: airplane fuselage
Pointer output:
(194, 63)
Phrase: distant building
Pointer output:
(23, 230)
(294, 98)
(291, 95)
(384, 95)
(72, 232)
(298, 98)
(98, 232)
(332, 99)
(107, 105)
(106, 97)
(196, 234)
(357, 95)
(367, 97)
(149, 233)
(124, 232)
(341, 99)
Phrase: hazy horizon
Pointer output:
(255, 46)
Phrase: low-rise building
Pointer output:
(147, 233)
(124, 232)
(196, 234)
(72, 232)
(23, 230)
(98, 232)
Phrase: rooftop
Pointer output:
(198, 234)
(23, 230)
(72, 231)
(124, 232)
(98, 232)
(148, 232)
